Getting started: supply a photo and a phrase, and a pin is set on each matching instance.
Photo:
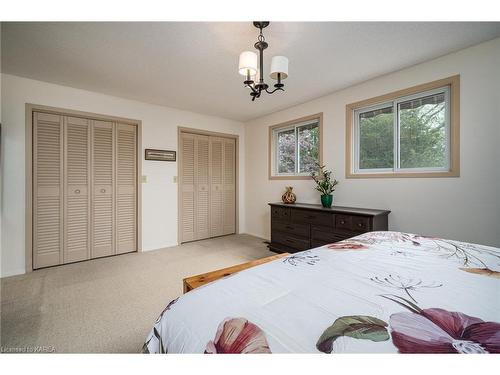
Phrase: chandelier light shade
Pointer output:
(248, 63)
(251, 66)
(279, 65)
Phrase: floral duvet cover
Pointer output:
(378, 292)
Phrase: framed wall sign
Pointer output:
(159, 155)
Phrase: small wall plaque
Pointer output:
(159, 155)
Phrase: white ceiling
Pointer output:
(193, 66)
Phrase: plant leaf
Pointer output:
(357, 326)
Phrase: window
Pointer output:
(295, 148)
(410, 133)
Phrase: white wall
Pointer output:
(159, 130)
(465, 208)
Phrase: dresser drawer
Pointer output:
(343, 222)
(312, 217)
(361, 224)
(280, 213)
(292, 228)
(290, 241)
(325, 235)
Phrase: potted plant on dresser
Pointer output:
(325, 185)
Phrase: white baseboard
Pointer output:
(262, 237)
(8, 273)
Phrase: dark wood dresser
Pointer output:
(299, 226)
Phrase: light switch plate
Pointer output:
(144, 179)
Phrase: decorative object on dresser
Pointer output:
(324, 184)
(289, 196)
(303, 226)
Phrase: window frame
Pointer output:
(273, 154)
(450, 87)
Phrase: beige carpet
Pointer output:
(110, 304)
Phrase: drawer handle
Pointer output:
(360, 225)
(103, 190)
(77, 191)
(288, 227)
(289, 240)
(311, 216)
(342, 222)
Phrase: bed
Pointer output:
(381, 292)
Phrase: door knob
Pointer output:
(77, 191)
(103, 190)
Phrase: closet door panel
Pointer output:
(187, 186)
(103, 189)
(216, 186)
(229, 158)
(202, 173)
(76, 191)
(126, 200)
(207, 186)
(48, 190)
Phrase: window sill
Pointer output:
(290, 177)
(452, 173)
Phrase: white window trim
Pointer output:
(295, 127)
(356, 139)
(273, 140)
(275, 153)
(397, 149)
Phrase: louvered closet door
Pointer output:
(76, 189)
(47, 190)
(229, 186)
(187, 186)
(103, 206)
(126, 194)
(202, 188)
(216, 187)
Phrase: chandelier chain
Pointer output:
(261, 37)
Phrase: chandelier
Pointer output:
(254, 73)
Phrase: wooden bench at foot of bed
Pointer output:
(193, 282)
